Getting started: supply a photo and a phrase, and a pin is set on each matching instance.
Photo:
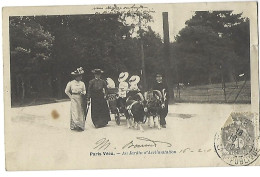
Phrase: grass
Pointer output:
(214, 93)
(196, 94)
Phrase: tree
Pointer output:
(137, 18)
(208, 46)
(30, 49)
(91, 41)
(240, 37)
(153, 51)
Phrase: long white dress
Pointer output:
(77, 116)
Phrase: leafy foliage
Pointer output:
(31, 45)
(212, 44)
(58, 44)
(45, 49)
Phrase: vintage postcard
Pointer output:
(131, 86)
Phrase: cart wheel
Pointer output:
(117, 117)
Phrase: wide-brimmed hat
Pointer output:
(123, 76)
(78, 71)
(158, 75)
(134, 80)
(110, 83)
(97, 71)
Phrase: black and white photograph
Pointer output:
(131, 86)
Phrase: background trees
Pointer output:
(211, 43)
(30, 50)
(53, 46)
(45, 49)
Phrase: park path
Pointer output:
(36, 140)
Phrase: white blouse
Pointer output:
(75, 87)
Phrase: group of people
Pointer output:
(96, 94)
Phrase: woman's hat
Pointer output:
(78, 71)
(110, 83)
(97, 71)
(134, 80)
(159, 75)
(123, 76)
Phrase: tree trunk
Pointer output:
(209, 78)
(58, 50)
(230, 75)
(23, 89)
(59, 85)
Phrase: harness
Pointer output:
(155, 100)
(137, 98)
(164, 94)
(129, 108)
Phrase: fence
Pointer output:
(232, 92)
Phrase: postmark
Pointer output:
(236, 144)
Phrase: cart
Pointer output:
(112, 96)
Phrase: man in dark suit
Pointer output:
(163, 88)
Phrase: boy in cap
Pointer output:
(163, 88)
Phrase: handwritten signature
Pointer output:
(149, 143)
(104, 143)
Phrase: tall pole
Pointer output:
(143, 76)
(167, 55)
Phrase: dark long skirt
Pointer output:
(99, 110)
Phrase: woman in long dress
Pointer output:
(97, 91)
(75, 90)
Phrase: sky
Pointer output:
(176, 17)
(178, 14)
(176, 22)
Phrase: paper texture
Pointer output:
(197, 134)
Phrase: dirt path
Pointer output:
(39, 141)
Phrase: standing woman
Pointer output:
(97, 91)
(75, 90)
